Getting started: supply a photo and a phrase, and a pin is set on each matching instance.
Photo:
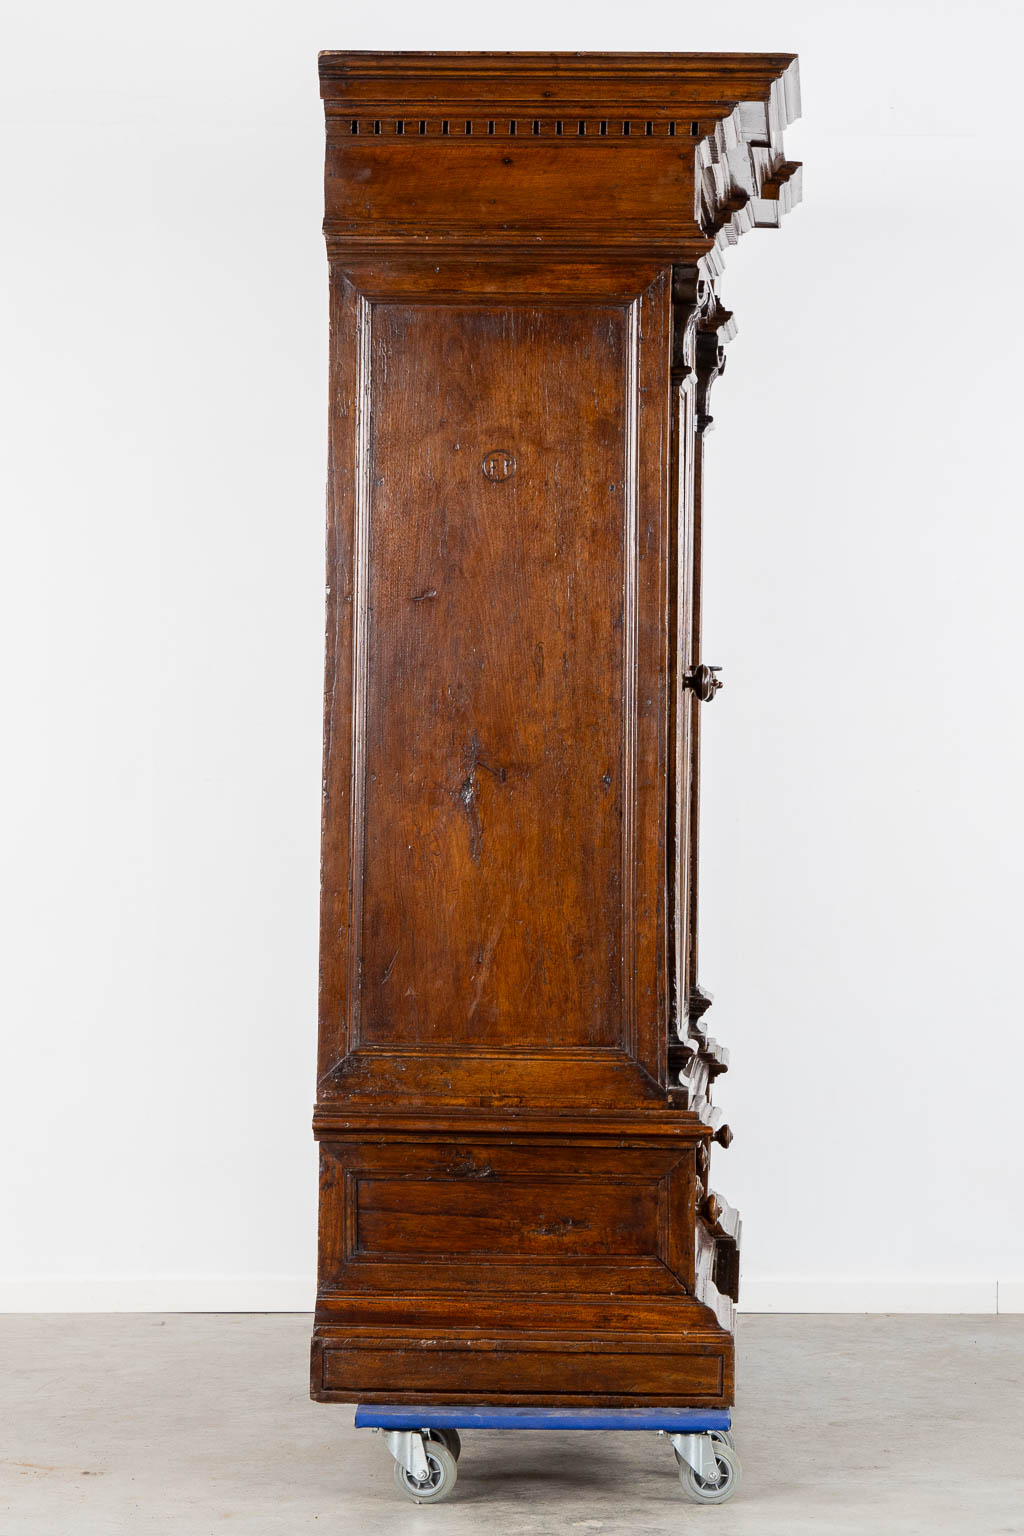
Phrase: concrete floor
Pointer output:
(189, 1425)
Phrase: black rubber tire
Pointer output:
(449, 1437)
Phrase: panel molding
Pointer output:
(631, 533)
(655, 1256)
(360, 666)
(632, 1070)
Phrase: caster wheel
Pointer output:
(448, 1437)
(440, 1480)
(729, 1472)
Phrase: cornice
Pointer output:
(702, 134)
(345, 66)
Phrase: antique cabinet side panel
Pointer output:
(496, 749)
(515, 1140)
(492, 907)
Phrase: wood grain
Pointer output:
(515, 1076)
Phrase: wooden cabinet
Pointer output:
(513, 1097)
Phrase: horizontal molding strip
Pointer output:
(296, 1293)
(577, 129)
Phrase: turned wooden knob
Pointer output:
(704, 682)
(723, 1136)
(711, 1209)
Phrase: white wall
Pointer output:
(164, 335)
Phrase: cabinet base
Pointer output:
(520, 1268)
(566, 1362)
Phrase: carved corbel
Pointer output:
(686, 298)
(714, 328)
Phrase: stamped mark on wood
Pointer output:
(499, 464)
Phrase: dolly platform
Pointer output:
(426, 1444)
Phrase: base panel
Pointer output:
(614, 1371)
(519, 1269)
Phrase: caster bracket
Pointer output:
(698, 1451)
(406, 1446)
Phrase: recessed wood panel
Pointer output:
(544, 1218)
(497, 520)
(506, 1217)
(498, 671)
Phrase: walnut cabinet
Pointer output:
(514, 1092)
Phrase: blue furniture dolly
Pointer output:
(426, 1445)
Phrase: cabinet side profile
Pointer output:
(514, 1082)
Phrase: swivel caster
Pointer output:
(425, 1469)
(709, 1468)
(439, 1482)
(700, 1487)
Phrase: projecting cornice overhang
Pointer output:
(674, 154)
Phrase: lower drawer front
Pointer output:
(498, 1370)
